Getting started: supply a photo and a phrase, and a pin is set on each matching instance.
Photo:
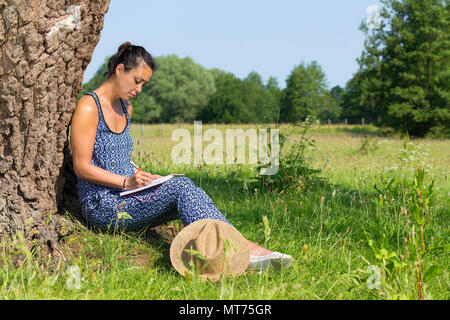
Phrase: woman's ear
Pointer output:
(120, 69)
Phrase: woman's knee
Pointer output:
(183, 182)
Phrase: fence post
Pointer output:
(346, 121)
(329, 122)
(362, 121)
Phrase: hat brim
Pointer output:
(240, 253)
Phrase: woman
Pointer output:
(101, 146)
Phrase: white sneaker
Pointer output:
(275, 259)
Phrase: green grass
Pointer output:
(323, 227)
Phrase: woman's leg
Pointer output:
(176, 198)
(256, 250)
(179, 198)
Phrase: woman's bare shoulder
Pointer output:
(86, 112)
(86, 100)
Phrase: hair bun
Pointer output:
(124, 45)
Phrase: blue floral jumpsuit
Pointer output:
(101, 205)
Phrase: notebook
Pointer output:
(152, 184)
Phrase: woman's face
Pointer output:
(129, 84)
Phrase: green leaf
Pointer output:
(433, 271)
(416, 213)
(72, 240)
(123, 215)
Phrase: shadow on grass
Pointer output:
(361, 131)
(158, 242)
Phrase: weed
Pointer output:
(294, 170)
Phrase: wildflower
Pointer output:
(305, 248)
(403, 211)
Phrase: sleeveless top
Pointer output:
(111, 152)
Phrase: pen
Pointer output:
(139, 169)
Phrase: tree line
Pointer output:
(402, 82)
(183, 91)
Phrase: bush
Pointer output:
(294, 171)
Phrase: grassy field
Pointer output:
(343, 233)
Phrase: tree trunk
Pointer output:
(45, 47)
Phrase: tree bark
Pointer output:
(45, 47)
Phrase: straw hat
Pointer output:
(217, 248)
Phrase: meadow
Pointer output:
(370, 223)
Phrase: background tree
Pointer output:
(306, 94)
(146, 109)
(261, 104)
(276, 94)
(242, 101)
(404, 70)
(337, 94)
(352, 108)
(226, 104)
(328, 109)
(181, 88)
(355, 104)
(215, 72)
(45, 46)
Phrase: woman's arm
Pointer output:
(82, 137)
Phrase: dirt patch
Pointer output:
(141, 258)
(167, 232)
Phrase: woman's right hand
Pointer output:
(140, 179)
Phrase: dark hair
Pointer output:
(131, 57)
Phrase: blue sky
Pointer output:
(267, 36)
